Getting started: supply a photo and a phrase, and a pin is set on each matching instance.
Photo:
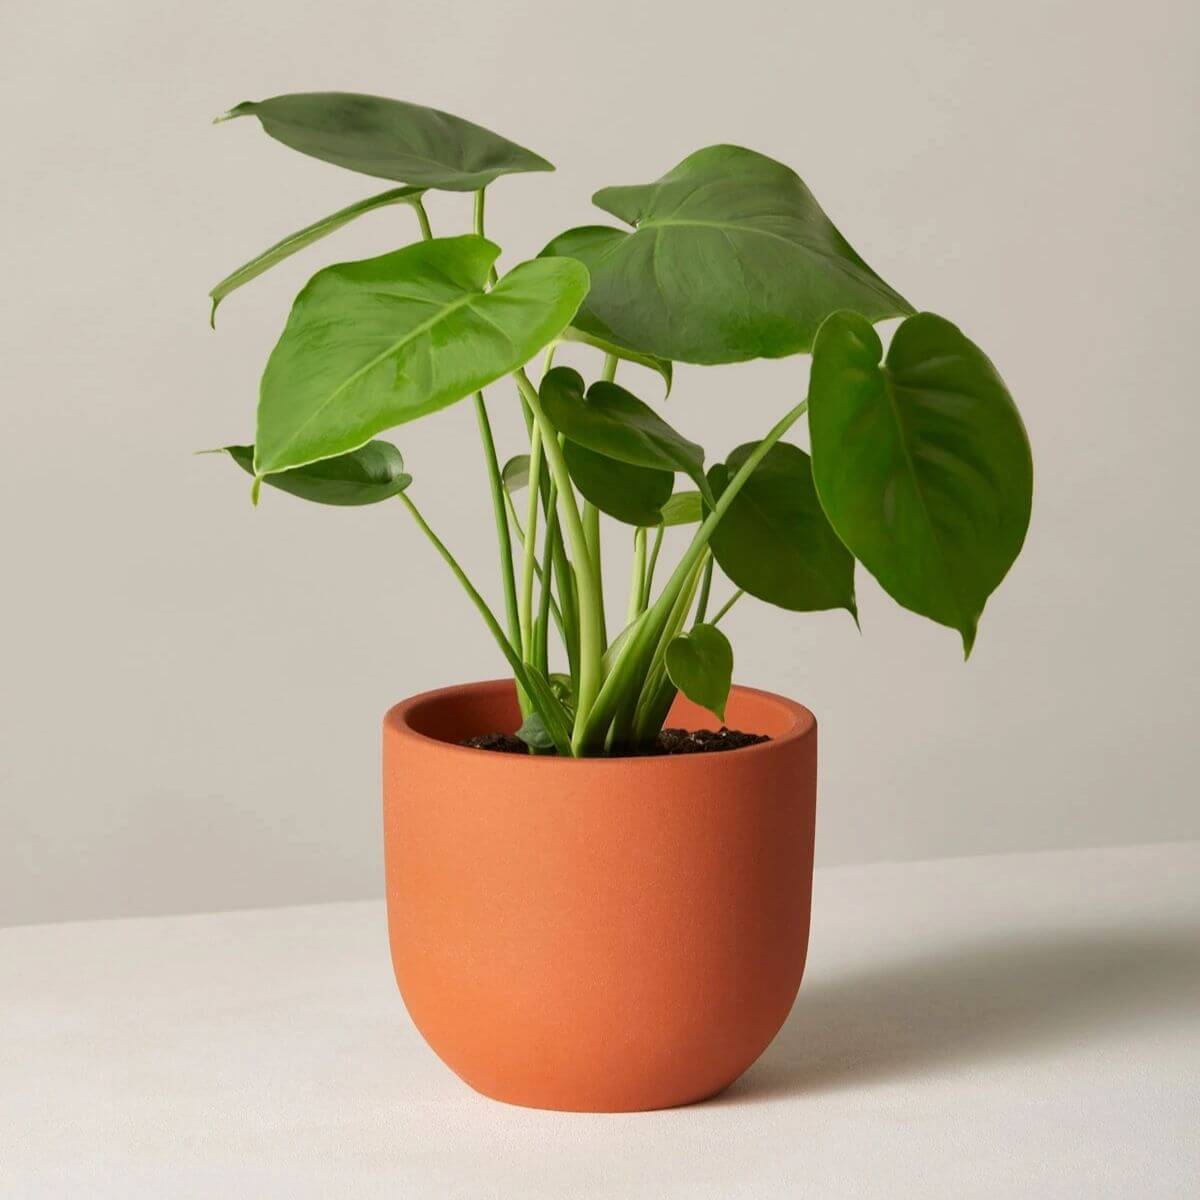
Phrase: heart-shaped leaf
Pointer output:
(516, 473)
(683, 508)
(775, 541)
(614, 422)
(377, 343)
(730, 258)
(631, 494)
(700, 664)
(305, 237)
(922, 463)
(391, 139)
(371, 473)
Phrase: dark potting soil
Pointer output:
(669, 741)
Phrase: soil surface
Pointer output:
(669, 741)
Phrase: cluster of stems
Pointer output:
(619, 691)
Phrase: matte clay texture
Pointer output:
(602, 935)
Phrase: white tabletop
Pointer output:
(1016, 1026)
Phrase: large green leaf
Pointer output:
(614, 422)
(390, 139)
(700, 665)
(922, 463)
(371, 473)
(774, 541)
(634, 495)
(377, 343)
(731, 258)
(305, 237)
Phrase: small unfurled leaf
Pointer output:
(516, 473)
(302, 238)
(683, 508)
(391, 139)
(729, 257)
(614, 422)
(371, 473)
(775, 540)
(563, 687)
(631, 494)
(921, 462)
(376, 343)
(700, 664)
(534, 734)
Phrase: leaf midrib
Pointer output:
(890, 387)
(843, 263)
(390, 349)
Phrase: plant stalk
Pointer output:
(591, 636)
(727, 606)
(525, 601)
(629, 670)
(552, 711)
(636, 574)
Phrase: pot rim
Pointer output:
(397, 720)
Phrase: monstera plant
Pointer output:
(919, 468)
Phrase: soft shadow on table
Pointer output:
(973, 1003)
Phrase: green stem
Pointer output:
(422, 219)
(495, 480)
(479, 207)
(727, 606)
(541, 573)
(629, 670)
(648, 582)
(636, 574)
(552, 712)
(705, 588)
(525, 601)
(609, 371)
(591, 529)
(658, 691)
(591, 649)
(546, 599)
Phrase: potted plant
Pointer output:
(600, 921)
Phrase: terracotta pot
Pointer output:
(599, 935)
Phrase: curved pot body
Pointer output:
(598, 935)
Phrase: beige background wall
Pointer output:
(192, 689)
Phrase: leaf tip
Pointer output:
(212, 312)
(968, 640)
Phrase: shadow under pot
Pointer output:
(597, 935)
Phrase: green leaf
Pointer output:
(302, 238)
(616, 423)
(659, 365)
(376, 343)
(516, 473)
(534, 734)
(371, 473)
(775, 541)
(563, 687)
(730, 258)
(922, 463)
(683, 508)
(700, 664)
(631, 494)
(390, 139)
